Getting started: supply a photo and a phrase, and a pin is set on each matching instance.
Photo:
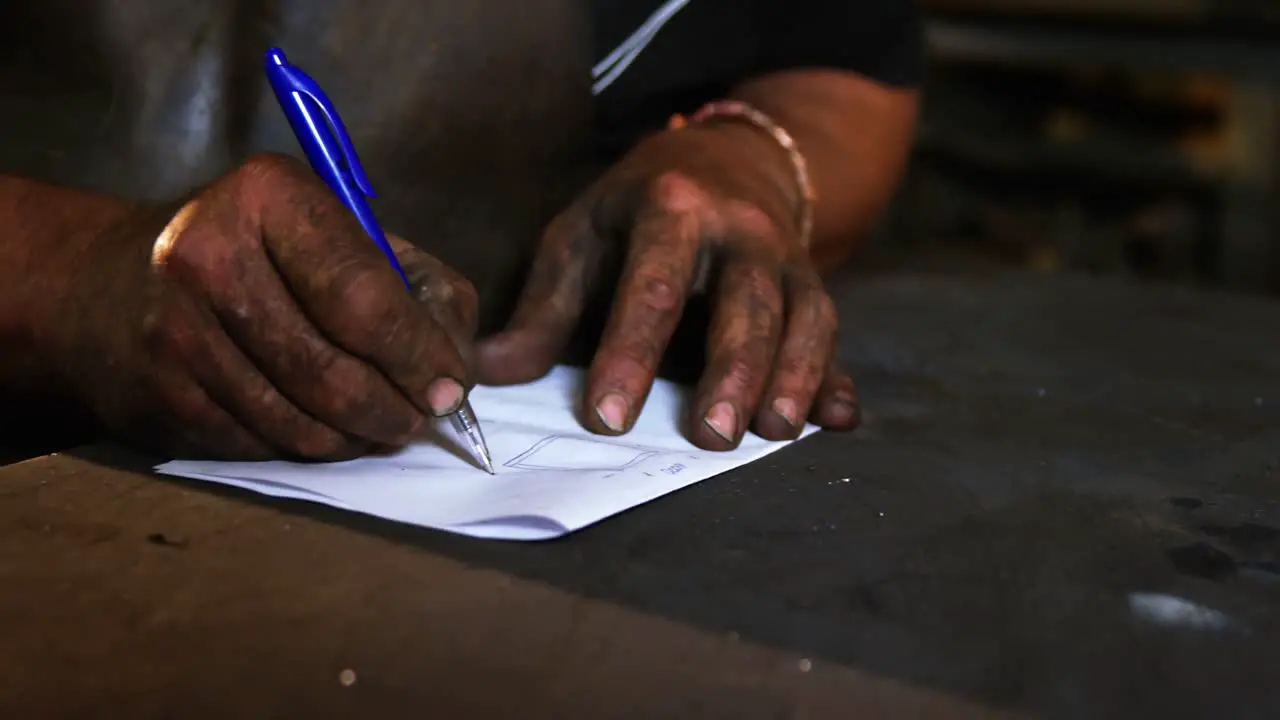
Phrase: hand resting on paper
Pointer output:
(706, 209)
(252, 320)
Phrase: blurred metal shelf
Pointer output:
(1092, 7)
(1253, 56)
(1239, 42)
(1099, 164)
(1176, 11)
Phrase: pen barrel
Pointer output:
(359, 206)
(327, 160)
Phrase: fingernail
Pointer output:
(723, 420)
(444, 396)
(786, 407)
(842, 409)
(612, 411)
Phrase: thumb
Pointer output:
(443, 292)
(549, 307)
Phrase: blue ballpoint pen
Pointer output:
(324, 139)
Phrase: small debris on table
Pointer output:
(165, 541)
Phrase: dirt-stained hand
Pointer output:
(257, 320)
(702, 209)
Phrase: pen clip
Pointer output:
(301, 83)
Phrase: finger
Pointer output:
(648, 305)
(836, 406)
(550, 304)
(453, 307)
(349, 292)
(336, 389)
(444, 292)
(740, 348)
(233, 383)
(196, 427)
(801, 363)
(260, 316)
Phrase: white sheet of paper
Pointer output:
(553, 477)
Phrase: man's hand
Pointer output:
(259, 321)
(703, 208)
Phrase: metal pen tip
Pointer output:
(465, 423)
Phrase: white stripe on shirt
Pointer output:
(615, 63)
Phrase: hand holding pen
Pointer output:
(324, 140)
(253, 319)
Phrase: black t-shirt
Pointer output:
(657, 57)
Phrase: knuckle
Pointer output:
(342, 395)
(239, 308)
(741, 372)
(320, 443)
(198, 256)
(165, 335)
(421, 267)
(676, 192)
(659, 292)
(800, 363)
(468, 300)
(350, 400)
(813, 303)
(760, 278)
(572, 232)
(431, 292)
(846, 384)
(191, 408)
(759, 285)
(155, 331)
(467, 309)
(632, 357)
(302, 436)
(752, 220)
(403, 425)
(825, 309)
(370, 300)
(265, 169)
(446, 288)
(207, 262)
(460, 285)
(325, 362)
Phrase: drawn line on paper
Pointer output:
(559, 452)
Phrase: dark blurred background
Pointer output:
(1121, 137)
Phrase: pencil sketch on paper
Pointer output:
(560, 452)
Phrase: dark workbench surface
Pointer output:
(1038, 453)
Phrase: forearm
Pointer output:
(855, 136)
(39, 225)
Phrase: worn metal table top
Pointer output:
(1063, 503)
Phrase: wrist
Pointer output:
(45, 232)
(765, 155)
(771, 146)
